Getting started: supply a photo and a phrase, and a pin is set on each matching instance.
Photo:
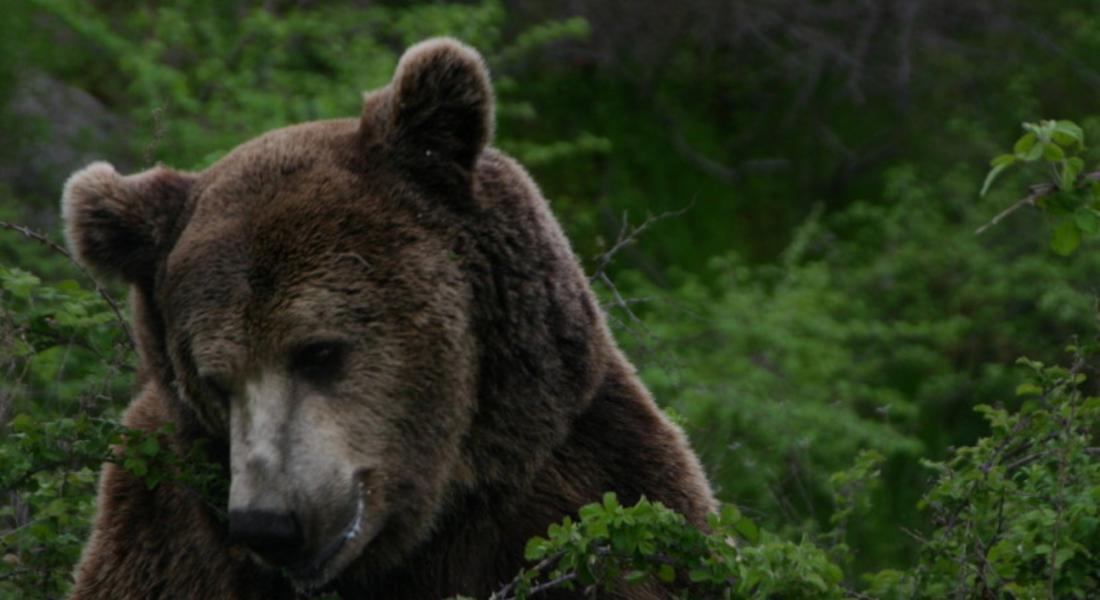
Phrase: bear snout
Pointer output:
(275, 537)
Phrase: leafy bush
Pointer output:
(1016, 515)
(879, 328)
(611, 544)
(66, 360)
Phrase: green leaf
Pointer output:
(22, 423)
(135, 465)
(1052, 153)
(1087, 220)
(1028, 389)
(698, 575)
(610, 501)
(1066, 238)
(730, 513)
(149, 447)
(20, 283)
(1070, 170)
(993, 173)
(1024, 145)
(666, 573)
(590, 511)
(1003, 558)
(1067, 133)
(1061, 556)
(1074, 166)
(748, 530)
(536, 548)
(817, 581)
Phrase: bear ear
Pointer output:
(440, 106)
(123, 226)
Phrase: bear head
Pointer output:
(374, 317)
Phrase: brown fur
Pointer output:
(481, 386)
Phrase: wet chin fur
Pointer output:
(339, 552)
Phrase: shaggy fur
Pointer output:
(480, 397)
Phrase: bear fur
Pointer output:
(466, 392)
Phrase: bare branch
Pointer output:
(505, 593)
(1037, 191)
(553, 583)
(628, 236)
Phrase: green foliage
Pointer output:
(197, 83)
(59, 337)
(50, 467)
(65, 355)
(611, 545)
(851, 498)
(793, 364)
(1017, 515)
(68, 354)
(1047, 142)
(878, 328)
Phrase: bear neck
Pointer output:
(543, 348)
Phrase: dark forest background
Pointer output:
(777, 201)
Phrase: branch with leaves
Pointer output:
(1070, 196)
(610, 546)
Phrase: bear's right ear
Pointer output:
(437, 114)
(123, 226)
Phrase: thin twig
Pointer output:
(1026, 460)
(628, 236)
(1037, 191)
(553, 583)
(544, 564)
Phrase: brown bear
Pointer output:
(385, 334)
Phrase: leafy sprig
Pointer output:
(1070, 196)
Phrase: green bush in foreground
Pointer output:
(1017, 515)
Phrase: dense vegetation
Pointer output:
(778, 203)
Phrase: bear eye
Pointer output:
(318, 361)
(216, 386)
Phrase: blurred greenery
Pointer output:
(811, 301)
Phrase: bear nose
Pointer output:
(275, 537)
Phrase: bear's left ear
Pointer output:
(438, 110)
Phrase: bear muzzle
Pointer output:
(282, 540)
(274, 537)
